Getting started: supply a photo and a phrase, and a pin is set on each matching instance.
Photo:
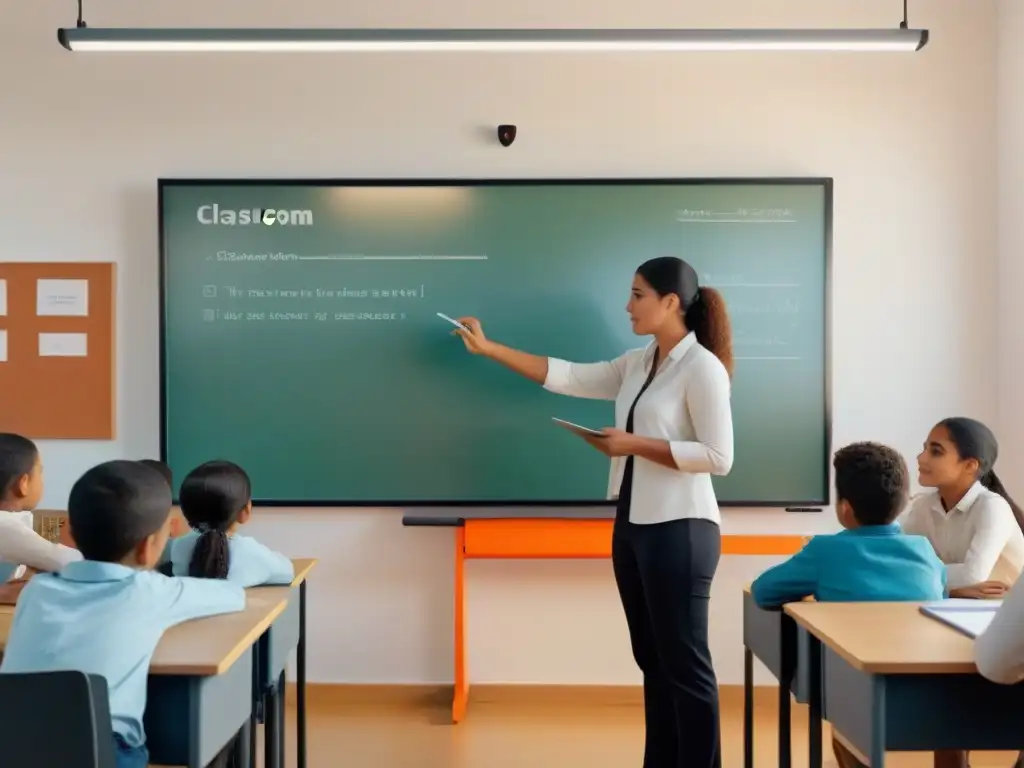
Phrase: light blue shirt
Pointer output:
(871, 563)
(107, 619)
(249, 563)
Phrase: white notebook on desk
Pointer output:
(970, 620)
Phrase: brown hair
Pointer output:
(709, 320)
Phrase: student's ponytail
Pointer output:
(991, 481)
(708, 318)
(212, 497)
(211, 557)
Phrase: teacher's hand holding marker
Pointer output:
(673, 431)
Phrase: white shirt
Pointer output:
(999, 650)
(20, 545)
(978, 539)
(687, 404)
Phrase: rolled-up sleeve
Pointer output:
(708, 399)
(594, 381)
(999, 650)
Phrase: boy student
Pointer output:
(105, 614)
(21, 487)
(872, 559)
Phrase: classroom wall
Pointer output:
(1010, 145)
(910, 141)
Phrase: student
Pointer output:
(21, 488)
(105, 615)
(871, 559)
(216, 499)
(971, 521)
(999, 650)
(162, 468)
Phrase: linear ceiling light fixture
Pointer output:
(85, 39)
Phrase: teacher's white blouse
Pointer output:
(687, 404)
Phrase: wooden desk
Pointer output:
(200, 692)
(286, 634)
(561, 534)
(888, 678)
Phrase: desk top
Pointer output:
(302, 568)
(210, 646)
(887, 638)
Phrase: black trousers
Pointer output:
(664, 573)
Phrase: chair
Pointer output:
(55, 720)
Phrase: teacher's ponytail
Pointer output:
(708, 318)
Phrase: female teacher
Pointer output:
(673, 431)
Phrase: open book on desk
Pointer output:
(971, 620)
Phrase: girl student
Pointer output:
(216, 500)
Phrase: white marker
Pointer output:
(456, 323)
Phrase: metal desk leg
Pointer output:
(877, 755)
(300, 680)
(257, 707)
(748, 708)
(271, 730)
(282, 710)
(785, 715)
(814, 715)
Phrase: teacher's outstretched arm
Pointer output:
(596, 381)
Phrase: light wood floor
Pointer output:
(521, 735)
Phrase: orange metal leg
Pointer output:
(461, 697)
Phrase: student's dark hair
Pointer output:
(17, 457)
(873, 479)
(113, 508)
(212, 495)
(160, 467)
(973, 440)
(704, 310)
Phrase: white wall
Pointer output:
(910, 141)
(1011, 242)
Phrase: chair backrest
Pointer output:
(55, 720)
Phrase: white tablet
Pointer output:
(579, 430)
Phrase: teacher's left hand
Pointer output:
(614, 442)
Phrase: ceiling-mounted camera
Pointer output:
(506, 134)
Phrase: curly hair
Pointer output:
(873, 479)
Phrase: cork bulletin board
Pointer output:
(57, 350)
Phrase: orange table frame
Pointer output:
(537, 539)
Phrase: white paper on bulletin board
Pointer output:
(63, 298)
(3, 298)
(63, 345)
(3, 346)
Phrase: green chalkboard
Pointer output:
(300, 337)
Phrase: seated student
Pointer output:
(216, 499)
(999, 650)
(969, 518)
(105, 615)
(871, 559)
(162, 468)
(21, 487)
